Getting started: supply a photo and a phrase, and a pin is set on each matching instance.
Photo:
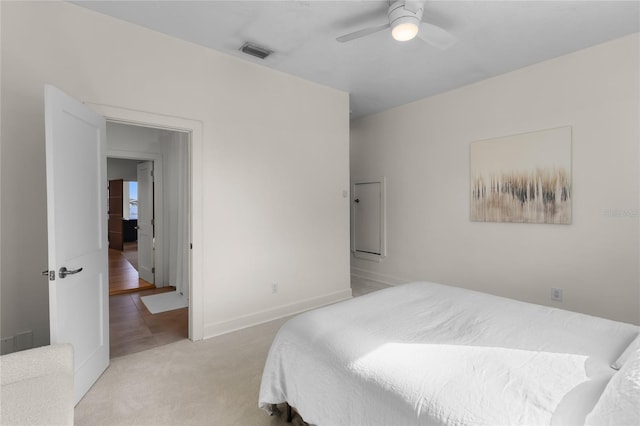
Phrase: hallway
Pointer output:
(132, 328)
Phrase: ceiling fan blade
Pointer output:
(362, 33)
(436, 36)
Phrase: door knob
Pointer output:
(63, 272)
(357, 200)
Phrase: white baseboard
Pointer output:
(238, 323)
(376, 277)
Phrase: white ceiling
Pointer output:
(494, 37)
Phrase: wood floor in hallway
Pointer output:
(132, 328)
(123, 276)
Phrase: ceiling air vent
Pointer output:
(255, 50)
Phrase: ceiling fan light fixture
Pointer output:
(405, 22)
(404, 29)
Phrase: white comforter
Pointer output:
(424, 353)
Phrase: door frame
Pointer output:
(195, 149)
(158, 200)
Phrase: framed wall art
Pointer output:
(524, 178)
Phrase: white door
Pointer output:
(145, 222)
(367, 217)
(77, 228)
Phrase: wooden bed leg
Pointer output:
(289, 414)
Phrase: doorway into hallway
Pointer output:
(152, 166)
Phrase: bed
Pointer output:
(429, 354)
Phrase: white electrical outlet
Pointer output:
(556, 294)
(274, 288)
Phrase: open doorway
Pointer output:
(149, 226)
(130, 237)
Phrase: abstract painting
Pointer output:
(524, 178)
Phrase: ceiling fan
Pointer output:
(405, 21)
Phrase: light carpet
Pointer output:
(164, 302)
(211, 382)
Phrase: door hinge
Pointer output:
(153, 270)
(151, 173)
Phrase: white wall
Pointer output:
(1, 296)
(177, 212)
(275, 161)
(423, 150)
(120, 168)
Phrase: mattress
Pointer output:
(425, 353)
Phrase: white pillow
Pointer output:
(633, 346)
(618, 405)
